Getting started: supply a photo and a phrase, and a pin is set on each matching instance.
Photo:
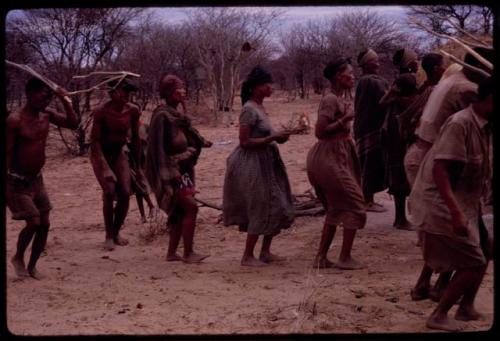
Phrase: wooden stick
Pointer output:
(445, 36)
(204, 203)
(458, 61)
(127, 73)
(53, 86)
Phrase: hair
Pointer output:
(167, 84)
(407, 83)
(361, 55)
(485, 88)
(334, 67)
(34, 85)
(398, 56)
(257, 76)
(430, 61)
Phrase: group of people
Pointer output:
(431, 141)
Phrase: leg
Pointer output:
(265, 254)
(23, 241)
(188, 224)
(248, 259)
(173, 242)
(107, 210)
(321, 261)
(400, 221)
(442, 282)
(151, 206)
(466, 310)
(38, 246)
(346, 262)
(464, 281)
(140, 204)
(421, 289)
(123, 189)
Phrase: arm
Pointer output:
(136, 141)
(326, 124)
(96, 153)
(70, 120)
(440, 172)
(12, 130)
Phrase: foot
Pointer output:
(35, 274)
(322, 263)
(349, 264)
(19, 267)
(403, 225)
(174, 258)
(442, 323)
(120, 241)
(251, 261)
(419, 293)
(109, 245)
(374, 207)
(144, 220)
(269, 257)
(468, 314)
(194, 258)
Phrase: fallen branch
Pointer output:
(206, 204)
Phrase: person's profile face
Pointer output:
(179, 93)
(265, 89)
(345, 78)
(41, 99)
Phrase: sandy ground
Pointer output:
(132, 290)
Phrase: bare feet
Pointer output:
(375, 207)
(251, 261)
(443, 323)
(403, 225)
(419, 293)
(120, 241)
(35, 274)
(269, 257)
(144, 220)
(322, 263)
(174, 258)
(468, 314)
(19, 267)
(194, 258)
(109, 245)
(349, 264)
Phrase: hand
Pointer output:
(207, 144)
(63, 94)
(281, 136)
(460, 224)
(344, 119)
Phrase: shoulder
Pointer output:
(100, 111)
(329, 99)
(13, 120)
(462, 117)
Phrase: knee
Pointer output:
(44, 226)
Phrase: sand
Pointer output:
(133, 290)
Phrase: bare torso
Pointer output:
(28, 154)
(115, 126)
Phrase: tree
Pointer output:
(68, 42)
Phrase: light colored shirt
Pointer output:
(449, 96)
(464, 138)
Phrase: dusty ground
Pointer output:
(132, 290)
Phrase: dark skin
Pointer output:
(342, 81)
(466, 281)
(371, 68)
(248, 259)
(186, 204)
(27, 132)
(109, 134)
